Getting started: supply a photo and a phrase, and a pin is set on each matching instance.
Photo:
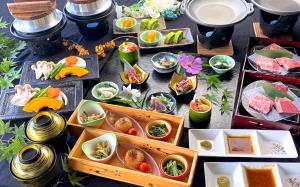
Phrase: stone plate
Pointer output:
(28, 75)
(73, 91)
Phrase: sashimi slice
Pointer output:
(268, 64)
(280, 87)
(261, 103)
(288, 64)
(285, 106)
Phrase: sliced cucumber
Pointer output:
(153, 24)
(144, 23)
(169, 38)
(178, 37)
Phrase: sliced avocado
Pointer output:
(153, 24)
(178, 37)
(144, 23)
(169, 37)
(272, 92)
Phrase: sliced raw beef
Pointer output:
(286, 106)
(273, 47)
(261, 103)
(280, 87)
(288, 64)
(268, 64)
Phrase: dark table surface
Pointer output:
(156, 82)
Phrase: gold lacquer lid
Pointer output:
(32, 161)
(45, 126)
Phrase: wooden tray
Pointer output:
(137, 29)
(242, 119)
(28, 75)
(227, 50)
(141, 116)
(259, 33)
(113, 169)
(187, 39)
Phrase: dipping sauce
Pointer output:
(240, 144)
(263, 177)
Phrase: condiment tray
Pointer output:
(261, 143)
(137, 29)
(142, 117)
(242, 174)
(187, 39)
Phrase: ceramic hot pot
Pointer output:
(216, 19)
(277, 17)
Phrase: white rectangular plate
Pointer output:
(284, 173)
(266, 143)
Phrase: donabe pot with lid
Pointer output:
(216, 19)
(35, 165)
(43, 35)
(47, 128)
(90, 16)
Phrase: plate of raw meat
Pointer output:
(274, 59)
(272, 101)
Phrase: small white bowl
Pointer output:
(88, 147)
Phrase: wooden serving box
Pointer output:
(242, 119)
(255, 42)
(141, 116)
(113, 169)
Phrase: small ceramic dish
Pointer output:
(88, 147)
(176, 78)
(177, 158)
(121, 154)
(89, 108)
(164, 109)
(198, 116)
(119, 24)
(138, 70)
(107, 88)
(157, 37)
(156, 62)
(159, 123)
(222, 59)
(114, 117)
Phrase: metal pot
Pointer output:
(42, 35)
(47, 128)
(35, 165)
(91, 21)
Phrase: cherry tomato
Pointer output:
(145, 167)
(132, 131)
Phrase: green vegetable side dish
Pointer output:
(274, 53)
(149, 24)
(173, 37)
(56, 70)
(42, 92)
(158, 130)
(220, 64)
(173, 168)
(102, 150)
(272, 93)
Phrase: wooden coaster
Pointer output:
(227, 50)
(259, 33)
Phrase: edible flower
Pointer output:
(190, 64)
(130, 94)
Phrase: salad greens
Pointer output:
(158, 130)
(173, 168)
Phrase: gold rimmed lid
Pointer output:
(45, 126)
(32, 161)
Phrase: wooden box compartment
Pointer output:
(258, 43)
(113, 169)
(242, 119)
(141, 116)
